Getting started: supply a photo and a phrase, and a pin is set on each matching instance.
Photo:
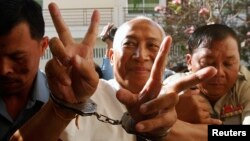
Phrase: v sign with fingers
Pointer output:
(153, 109)
(71, 73)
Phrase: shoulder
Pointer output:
(243, 81)
(242, 85)
(244, 72)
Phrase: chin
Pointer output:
(216, 95)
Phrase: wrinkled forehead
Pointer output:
(143, 24)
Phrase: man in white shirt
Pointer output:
(139, 56)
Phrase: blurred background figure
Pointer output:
(107, 36)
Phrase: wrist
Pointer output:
(128, 125)
(61, 112)
(84, 108)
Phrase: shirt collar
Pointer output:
(243, 73)
(40, 90)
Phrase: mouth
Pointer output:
(139, 69)
(8, 83)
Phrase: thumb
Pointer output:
(215, 121)
(126, 97)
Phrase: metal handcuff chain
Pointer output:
(87, 109)
(106, 119)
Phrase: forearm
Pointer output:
(47, 124)
(188, 132)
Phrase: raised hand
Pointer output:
(155, 113)
(150, 91)
(71, 73)
(105, 31)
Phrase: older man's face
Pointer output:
(134, 59)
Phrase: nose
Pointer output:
(141, 53)
(220, 71)
(5, 67)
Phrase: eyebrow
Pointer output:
(231, 57)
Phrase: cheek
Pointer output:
(25, 67)
(232, 76)
(122, 63)
(119, 64)
(28, 65)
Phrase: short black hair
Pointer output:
(13, 12)
(207, 34)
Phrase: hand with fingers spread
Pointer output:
(71, 77)
(156, 115)
(108, 33)
(71, 73)
(150, 91)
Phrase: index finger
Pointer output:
(154, 83)
(191, 80)
(170, 91)
(61, 27)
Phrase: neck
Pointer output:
(15, 103)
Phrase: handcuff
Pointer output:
(128, 124)
(86, 109)
(89, 109)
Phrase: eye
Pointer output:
(130, 44)
(228, 64)
(153, 46)
(18, 57)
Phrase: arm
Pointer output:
(47, 124)
(154, 115)
(107, 69)
(189, 132)
(105, 36)
(71, 77)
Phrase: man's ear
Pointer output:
(189, 61)
(44, 44)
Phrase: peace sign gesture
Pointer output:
(153, 109)
(71, 73)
